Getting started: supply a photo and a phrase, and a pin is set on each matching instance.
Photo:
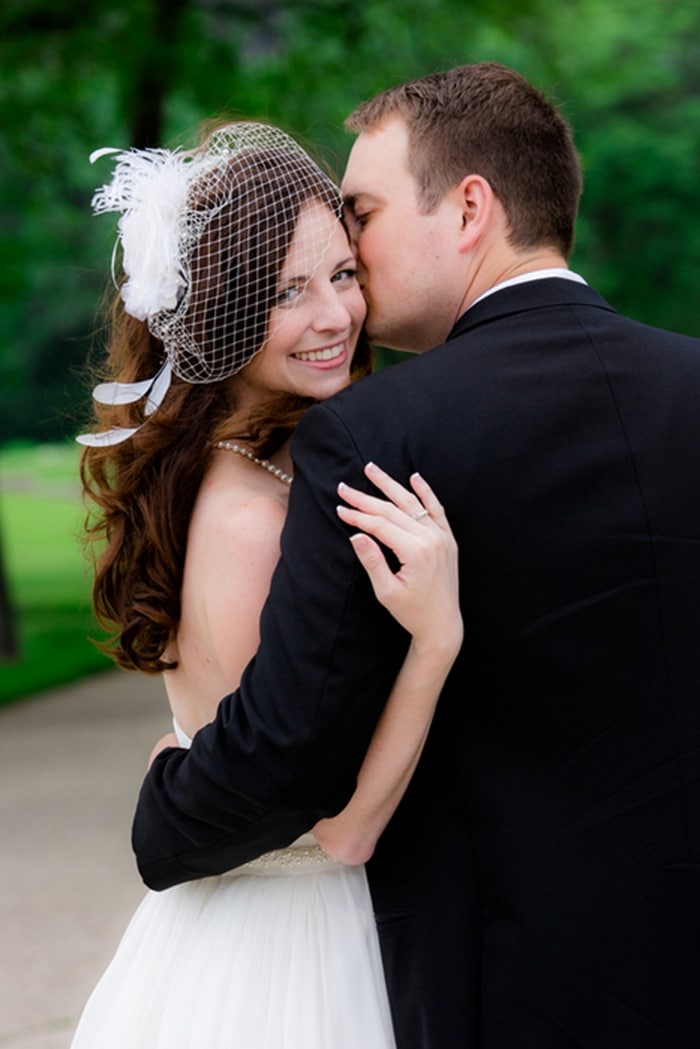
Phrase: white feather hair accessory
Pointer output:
(149, 188)
(203, 236)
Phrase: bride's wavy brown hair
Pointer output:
(141, 493)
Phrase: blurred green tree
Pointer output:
(632, 83)
(145, 71)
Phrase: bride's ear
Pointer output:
(476, 204)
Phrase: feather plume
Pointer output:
(149, 188)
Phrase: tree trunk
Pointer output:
(156, 73)
(8, 637)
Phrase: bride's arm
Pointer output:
(423, 597)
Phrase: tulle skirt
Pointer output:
(282, 954)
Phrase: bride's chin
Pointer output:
(324, 385)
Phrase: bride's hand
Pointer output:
(423, 595)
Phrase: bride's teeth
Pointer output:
(321, 355)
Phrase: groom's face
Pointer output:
(405, 256)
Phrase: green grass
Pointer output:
(40, 519)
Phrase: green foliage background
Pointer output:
(47, 580)
(145, 72)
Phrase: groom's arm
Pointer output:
(285, 748)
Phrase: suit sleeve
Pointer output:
(285, 748)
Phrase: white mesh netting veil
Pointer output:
(203, 237)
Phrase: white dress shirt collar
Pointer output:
(523, 278)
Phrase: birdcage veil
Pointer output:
(203, 237)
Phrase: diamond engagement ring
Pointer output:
(420, 513)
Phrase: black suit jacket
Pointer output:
(538, 886)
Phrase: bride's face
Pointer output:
(316, 319)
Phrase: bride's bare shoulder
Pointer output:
(232, 506)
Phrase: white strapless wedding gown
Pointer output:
(281, 953)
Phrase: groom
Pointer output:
(538, 886)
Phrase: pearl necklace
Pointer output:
(264, 463)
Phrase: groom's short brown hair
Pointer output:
(488, 120)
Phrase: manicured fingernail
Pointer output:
(341, 486)
(371, 466)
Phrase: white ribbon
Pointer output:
(114, 393)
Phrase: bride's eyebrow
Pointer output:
(294, 279)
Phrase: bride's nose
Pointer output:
(332, 312)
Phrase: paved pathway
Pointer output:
(71, 762)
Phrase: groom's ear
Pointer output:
(475, 200)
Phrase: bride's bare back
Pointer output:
(232, 550)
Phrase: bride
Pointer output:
(238, 308)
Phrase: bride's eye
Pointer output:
(288, 295)
(349, 273)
